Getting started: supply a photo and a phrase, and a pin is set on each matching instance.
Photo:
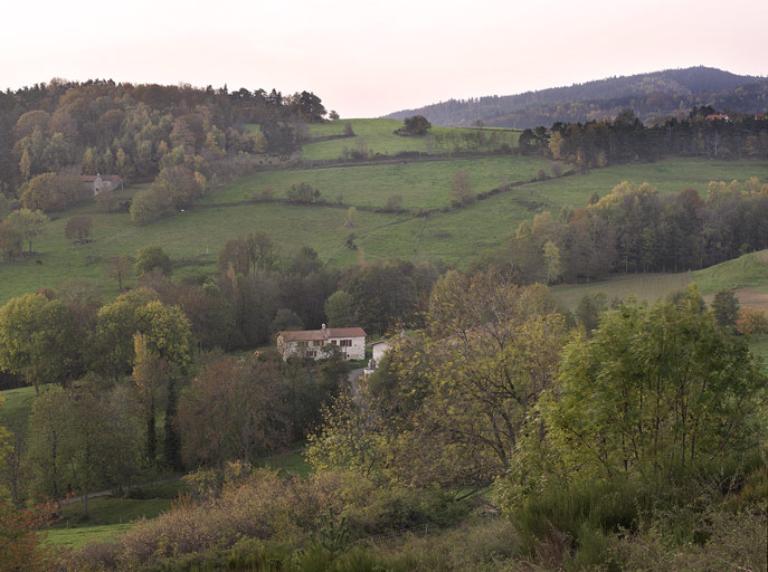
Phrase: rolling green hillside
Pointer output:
(421, 184)
(377, 136)
(746, 275)
(456, 237)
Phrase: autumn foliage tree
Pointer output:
(232, 410)
(29, 224)
(41, 339)
(450, 403)
(79, 228)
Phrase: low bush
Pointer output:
(246, 517)
(576, 517)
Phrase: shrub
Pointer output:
(53, 191)
(181, 184)
(462, 194)
(150, 205)
(577, 514)
(394, 204)
(152, 258)
(78, 228)
(263, 516)
(303, 193)
(734, 541)
(752, 322)
(414, 126)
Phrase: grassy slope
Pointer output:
(111, 516)
(670, 175)
(378, 135)
(643, 287)
(746, 275)
(80, 536)
(194, 238)
(748, 271)
(420, 184)
(15, 407)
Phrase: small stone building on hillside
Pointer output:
(102, 183)
(318, 344)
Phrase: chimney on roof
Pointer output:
(322, 327)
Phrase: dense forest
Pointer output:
(651, 96)
(704, 132)
(108, 127)
(633, 228)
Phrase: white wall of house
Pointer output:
(379, 351)
(318, 350)
(354, 351)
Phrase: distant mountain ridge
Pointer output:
(650, 95)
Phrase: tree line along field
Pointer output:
(377, 137)
(456, 237)
(747, 276)
(109, 515)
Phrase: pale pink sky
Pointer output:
(370, 57)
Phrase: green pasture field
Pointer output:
(78, 537)
(15, 405)
(423, 184)
(669, 175)
(746, 275)
(648, 287)
(193, 239)
(458, 237)
(377, 135)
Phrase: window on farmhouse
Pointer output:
(311, 353)
(317, 343)
(345, 343)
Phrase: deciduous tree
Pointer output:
(78, 228)
(28, 223)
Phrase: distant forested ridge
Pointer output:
(135, 130)
(651, 96)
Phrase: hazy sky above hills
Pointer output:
(370, 57)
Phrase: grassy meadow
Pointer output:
(378, 137)
(420, 184)
(456, 237)
(746, 275)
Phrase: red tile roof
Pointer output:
(318, 335)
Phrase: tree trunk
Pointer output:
(151, 433)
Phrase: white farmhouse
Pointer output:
(317, 344)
